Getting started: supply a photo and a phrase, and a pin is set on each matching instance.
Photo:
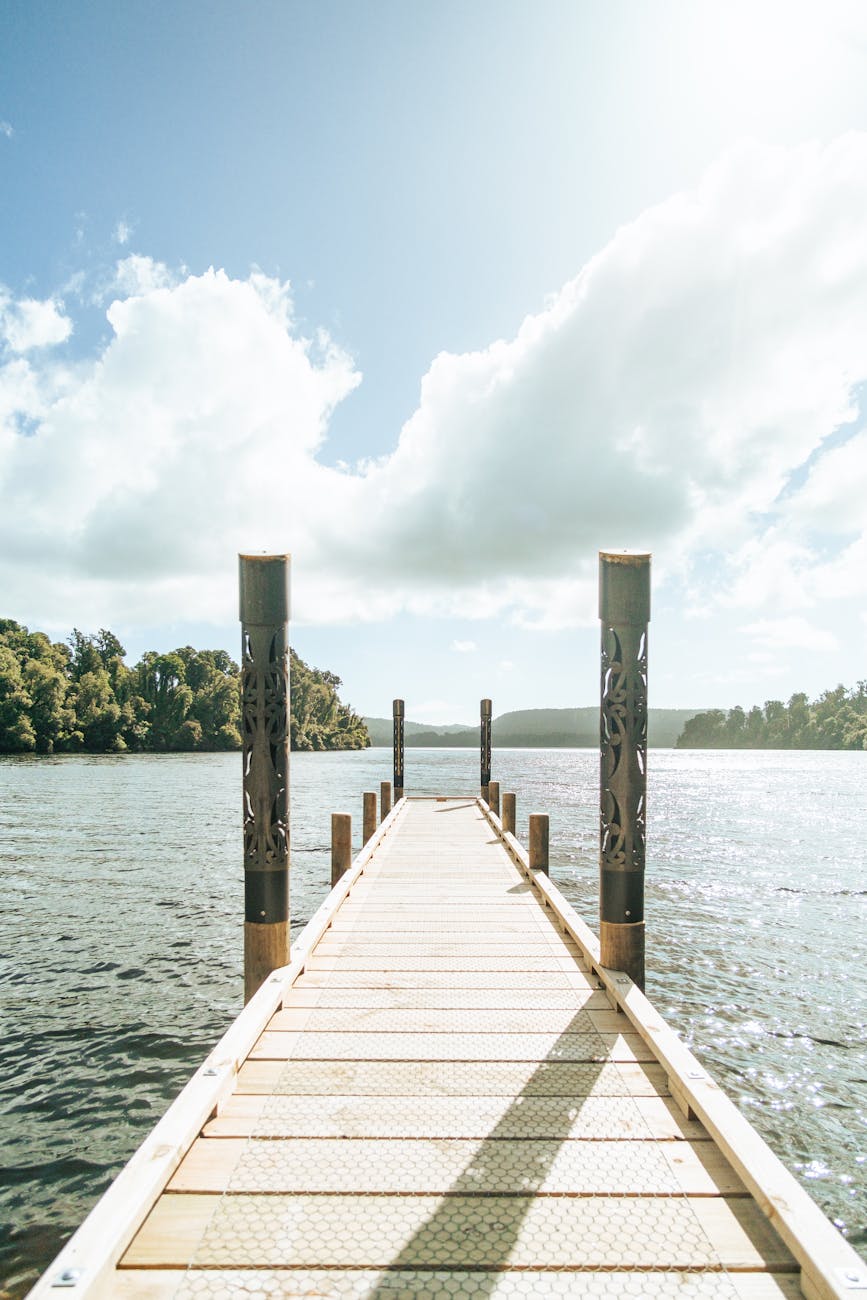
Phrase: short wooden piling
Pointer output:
(397, 710)
(539, 842)
(368, 824)
(341, 845)
(624, 609)
(485, 746)
(384, 799)
(264, 612)
(509, 813)
(494, 797)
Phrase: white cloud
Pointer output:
(30, 323)
(793, 633)
(191, 437)
(136, 275)
(464, 647)
(122, 233)
(7, 129)
(667, 398)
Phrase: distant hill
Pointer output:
(531, 729)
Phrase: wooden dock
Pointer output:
(445, 1094)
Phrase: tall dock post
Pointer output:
(397, 714)
(624, 610)
(485, 746)
(264, 611)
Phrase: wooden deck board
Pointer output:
(447, 1104)
(447, 1078)
(371, 1284)
(459, 1231)
(418, 1166)
(544, 1115)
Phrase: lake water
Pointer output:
(121, 943)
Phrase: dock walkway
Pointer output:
(443, 1095)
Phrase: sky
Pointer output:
(442, 298)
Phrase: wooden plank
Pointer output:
(455, 964)
(487, 1232)
(430, 1047)
(506, 980)
(539, 1116)
(530, 920)
(498, 1079)
(378, 1166)
(416, 1020)
(444, 998)
(371, 1284)
(536, 946)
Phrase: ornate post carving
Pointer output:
(485, 746)
(397, 715)
(624, 610)
(264, 610)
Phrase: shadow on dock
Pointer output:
(449, 1241)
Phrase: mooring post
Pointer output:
(384, 799)
(264, 610)
(539, 842)
(485, 746)
(368, 823)
(341, 845)
(509, 813)
(397, 713)
(624, 609)
(494, 797)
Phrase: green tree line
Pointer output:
(836, 720)
(81, 695)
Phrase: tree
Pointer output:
(97, 712)
(16, 729)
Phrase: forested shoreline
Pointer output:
(836, 720)
(80, 695)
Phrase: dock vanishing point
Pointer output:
(446, 1091)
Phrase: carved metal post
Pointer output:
(509, 813)
(539, 842)
(341, 845)
(384, 799)
(624, 609)
(397, 713)
(368, 818)
(264, 610)
(485, 745)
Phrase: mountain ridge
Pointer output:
(531, 729)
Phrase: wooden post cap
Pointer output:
(263, 586)
(397, 708)
(624, 587)
(485, 709)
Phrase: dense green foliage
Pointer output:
(837, 720)
(319, 719)
(80, 695)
